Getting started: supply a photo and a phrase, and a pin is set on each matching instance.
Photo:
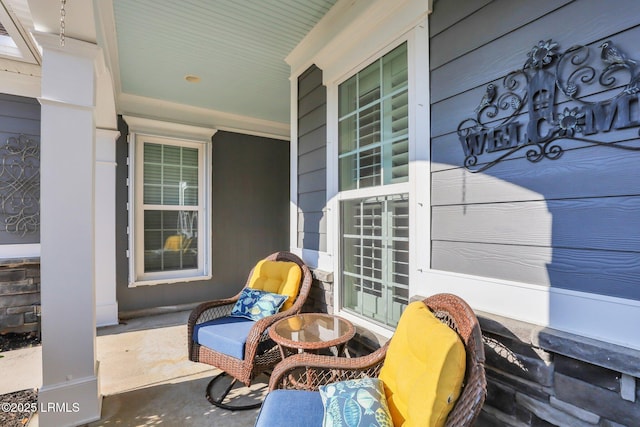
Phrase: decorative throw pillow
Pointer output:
(255, 304)
(359, 402)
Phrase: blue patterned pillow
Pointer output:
(255, 304)
(352, 403)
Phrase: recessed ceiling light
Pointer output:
(192, 79)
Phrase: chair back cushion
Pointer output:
(423, 369)
(278, 277)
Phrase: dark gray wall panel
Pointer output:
(18, 116)
(569, 223)
(311, 101)
(312, 181)
(311, 222)
(479, 29)
(312, 160)
(448, 113)
(449, 12)
(309, 81)
(602, 272)
(250, 219)
(579, 22)
(314, 140)
(312, 120)
(314, 201)
(308, 240)
(585, 172)
(596, 223)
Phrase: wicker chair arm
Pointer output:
(211, 310)
(309, 371)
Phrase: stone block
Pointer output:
(21, 309)
(322, 276)
(607, 355)
(518, 383)
(8, 321)
(609, 423)
(491, 417)
(592, 374)
(501, 397)
(500, 355)
(523, 414)
(19, 300)
(628, 387)
(30, 317)
(606, 403)
(553, 416)
(12, 274)
(18, 287)
(508, 328)
(586, 416)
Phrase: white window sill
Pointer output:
(168, 281)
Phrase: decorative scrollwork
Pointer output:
(494, 134)
(20, 185)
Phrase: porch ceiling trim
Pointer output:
(362, 23)
(197, 116)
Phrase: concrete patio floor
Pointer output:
(145, 377)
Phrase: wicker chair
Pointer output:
(309, 371)
(260, 353)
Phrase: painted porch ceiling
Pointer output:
(236, 47)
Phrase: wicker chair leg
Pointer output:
(219, 401)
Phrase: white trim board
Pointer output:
(595, 316)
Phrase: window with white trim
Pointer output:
(170, 195)
(373, 157)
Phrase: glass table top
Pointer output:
(309, 330)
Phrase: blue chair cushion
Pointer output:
(226, 335)
(291, 408)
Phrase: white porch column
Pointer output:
(106, 303)
(70, 391)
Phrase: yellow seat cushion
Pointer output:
(279, 277)
(423, 370)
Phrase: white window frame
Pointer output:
(146, 130)
(401, 188)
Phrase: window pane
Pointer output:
(369, 126)
(370, 168)
(348, 135)
(375, 256)
(380, 120)
(170, 240)
(348, 96)
(395, 66)
(347, 172)
(170, 175)
(152, 194)
(171, 155)
(369, 84)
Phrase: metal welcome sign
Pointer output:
(551, 81)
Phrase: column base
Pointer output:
(71, 403)
(107, 314)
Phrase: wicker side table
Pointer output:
(311, 332)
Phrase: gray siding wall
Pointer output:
(18, 116)
(312, 160)
(250, 219)
(570, 223)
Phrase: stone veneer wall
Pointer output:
(536, 376)
(19, 295)
(539, 376)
